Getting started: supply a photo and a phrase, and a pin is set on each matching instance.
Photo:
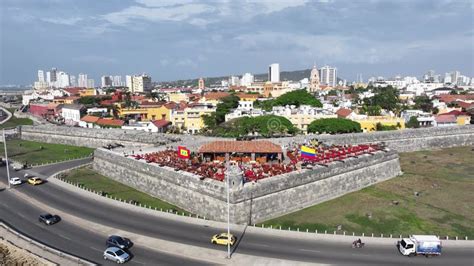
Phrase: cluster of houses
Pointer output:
(182, 110)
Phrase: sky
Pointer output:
(184, 39)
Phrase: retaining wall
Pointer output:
(406, 140)
(252, 202)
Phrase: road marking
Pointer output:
(261, 245)
(139, 262)
(96, 249)
(310, 250)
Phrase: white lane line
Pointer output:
(96, 249)
(261, 245)
(310, 250)
(63, 236)
(139, 262)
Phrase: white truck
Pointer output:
(426, 245)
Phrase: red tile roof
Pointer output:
(262, 146)
(90, 119)
(464, 105)
(72, 91)
(161, 123)
(343, 112)
(216, 95)
(247, 95)
(110, 122)
(454, 112)
(448, 98)
(445, 119)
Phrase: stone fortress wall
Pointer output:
(250, 202)
(96, 138)
(406, 140)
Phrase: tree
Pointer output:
(296, 98)
(266, 125)
(413, 122)
(371, 110)
(334, 126)
(386, 98)
(424, 103)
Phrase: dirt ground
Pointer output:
(13, 255)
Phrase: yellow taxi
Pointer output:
(223, 239)
(35, 181)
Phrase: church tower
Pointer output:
(314, 80)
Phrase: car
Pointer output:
(49, 219)
(223, 239)
(15, 181)
(116, 254)
(118, 241)
(35, 181)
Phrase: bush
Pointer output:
(266, 125)
(334, 126)
(413, 122)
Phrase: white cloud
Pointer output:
(63, 21)
(163, 3)
(95, 59)
(176, 13)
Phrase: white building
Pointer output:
(71, 113)
(117, 81)
(328, 76)
(90, 83)
(247, 79)
(95, 110)
(82, 80)
(234, 81)
(274, 73)
(41, 76)
(139, 83)
(63, 80)
(73, 80)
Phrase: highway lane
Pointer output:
(252, 244)
(73, 239)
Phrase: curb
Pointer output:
(39, 244)
(283, 232)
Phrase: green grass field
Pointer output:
(444, 180)
(88, 178)
(36, 152)
(14, 121)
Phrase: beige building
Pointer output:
(190, 118)
(314, 80)
(302, 116)
(139, 83)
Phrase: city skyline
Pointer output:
(198, 39)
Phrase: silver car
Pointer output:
(116, 254)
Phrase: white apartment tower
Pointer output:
(247, 79)
(139, 83)
(328, 76)
(63, 80)
(41, 76)
(274, 73)
(82, 80)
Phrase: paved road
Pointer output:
(302, 250)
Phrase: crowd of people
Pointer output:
(254, 171)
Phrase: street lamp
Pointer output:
(6, 158)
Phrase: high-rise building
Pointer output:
(90, 83)
(234, 81)
(201, 84)
(128, 82)
(41, 76)
(63, 80)
(314, 80)
(328, 76)
(106, 81)
(82, 80)
(274, 73)
(73, 80)
(247, 79)
(117, 81)
(454, 77)
(139, 83)
(48, 78)
(54, 76)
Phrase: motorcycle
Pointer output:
(357, 244)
